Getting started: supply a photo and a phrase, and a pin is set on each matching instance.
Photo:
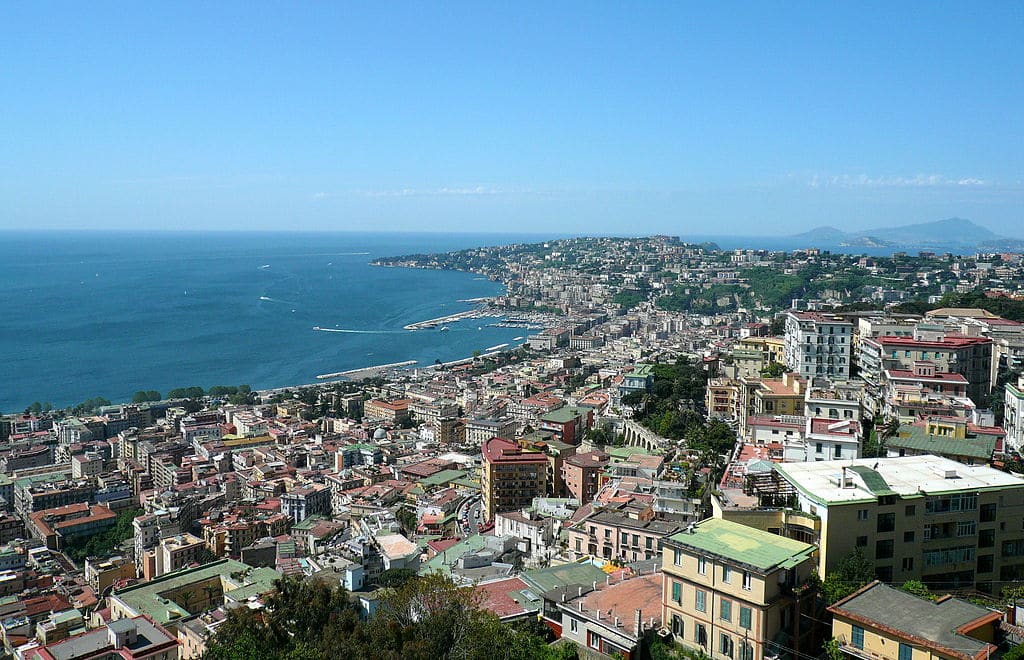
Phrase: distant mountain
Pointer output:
(948, 232)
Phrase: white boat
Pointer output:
(444, 328)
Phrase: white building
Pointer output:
(1014, 414)
(818, 345)
(538, 533)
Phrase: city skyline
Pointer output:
(739, 120)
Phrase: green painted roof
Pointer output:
(874, 481)
(622, 453)
(641, 371)
(145, 598)
(732, 541)
(309, 523)
(565, 414)
(546, 579)
(917, 439)
(442, 477)
(440, 563)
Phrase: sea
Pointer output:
(87, 314)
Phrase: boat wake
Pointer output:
(358, 332)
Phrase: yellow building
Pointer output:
(722, 398)
(878, 622)
(738, 593)
(924, 518)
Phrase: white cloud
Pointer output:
(914, 181)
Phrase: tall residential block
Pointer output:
(818, 344)
(511, 477)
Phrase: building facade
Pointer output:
(736, 593)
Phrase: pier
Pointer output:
(451, 318)
(366, 372)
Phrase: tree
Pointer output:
(395, 577)
(917, 588)
(852, 573)
(773, 370)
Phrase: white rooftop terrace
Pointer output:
(904, 476)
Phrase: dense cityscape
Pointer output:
(689, 452)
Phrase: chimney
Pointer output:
(581, 605)
(563, 595)
(595, 585)
(616, 622)
(579, 591)
(638, 622)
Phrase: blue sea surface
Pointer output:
(86, 314)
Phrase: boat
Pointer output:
(444, 328)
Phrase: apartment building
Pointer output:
(969, 356)
(510, 476)
(722, 399)
(172, 553)
(818, 345)
(1013, 413)
(388, 412)
(478, 431)
(628, 533)
(305, 501)
(582, 474)
(924, 518)
(736, 593)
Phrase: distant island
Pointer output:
(948, 233)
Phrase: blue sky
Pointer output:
(719, 118)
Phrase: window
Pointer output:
(677, 557)
(702, 565)
(838, 453)
(745, 617)
(985, 563)
(857, 638)
(884, 549)
(906, 651)
(908, 537)
(677, 625)
(986, 538)
(700, 601)
(700, 635)
(607, 533)
(862, 514)
(886, 522)
(988, 512)
(908, 563)
(746, 651)
(725, 610)
(677, 592)
(649, 543)
(726, 574)
(746, 580)
(862, 541)
(579, 546)
(725, 646)
(623, 538)
(817, 447)
(966, 528)
(574, 625)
